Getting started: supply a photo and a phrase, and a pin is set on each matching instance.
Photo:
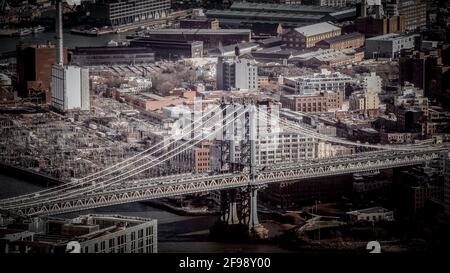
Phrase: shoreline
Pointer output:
(29, 175)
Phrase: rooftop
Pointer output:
(201, 31)
(283, 7)
(369, 210)
(315, 29)
(389, 36)
(269, 15)
(343, 37)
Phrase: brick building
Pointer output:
(350, 40)
(34, 68)
(317, 102)
(309, 36)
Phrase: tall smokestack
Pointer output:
(363, 8)
(59, 33)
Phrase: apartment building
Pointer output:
(325, 80)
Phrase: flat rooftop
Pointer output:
(318, 28)
(268, 15)
(197, 31)
(389, 36)
(284, 7)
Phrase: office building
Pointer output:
(170, 49)
(388, 46)
(88, 56)
(236, 74)
(120, 12)
(323, 81)
(70, 88)
(309, 36)
(34, 69)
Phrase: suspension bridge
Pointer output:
(238, 180)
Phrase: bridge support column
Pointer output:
(229, 206)
(256, 230)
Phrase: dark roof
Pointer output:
(110, 50)
(343, 37)
(283, 8)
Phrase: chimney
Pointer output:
(363, 8)
(59, 33)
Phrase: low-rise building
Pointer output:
(388, 45)
(210, 37)
(199, 23)
(309, 36)
(375, 214)
(87, 56)
(318, 102)
(170, 49)
(349, 40)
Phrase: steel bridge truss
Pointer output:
(161, 187)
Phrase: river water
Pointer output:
(182, 234)
(70, 40)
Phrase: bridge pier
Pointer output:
(239, 216)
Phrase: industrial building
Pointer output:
(199, 23)
(70, 88)
(287, 15)
(388, 46)
(317, 102)
(236, 74)
(210, 37)
(34, 65)
(170, 49)
(120, 12)
(327, 58)
(349, 40)
(88, 56)
(309, 36)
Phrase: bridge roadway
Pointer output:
(160, 187)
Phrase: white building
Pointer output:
(119, 234)
(323, 81)
(236, 74)
(70, 88)
(388, 45)
(374, 214)
(370, 82)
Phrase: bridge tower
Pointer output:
(239, 206)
